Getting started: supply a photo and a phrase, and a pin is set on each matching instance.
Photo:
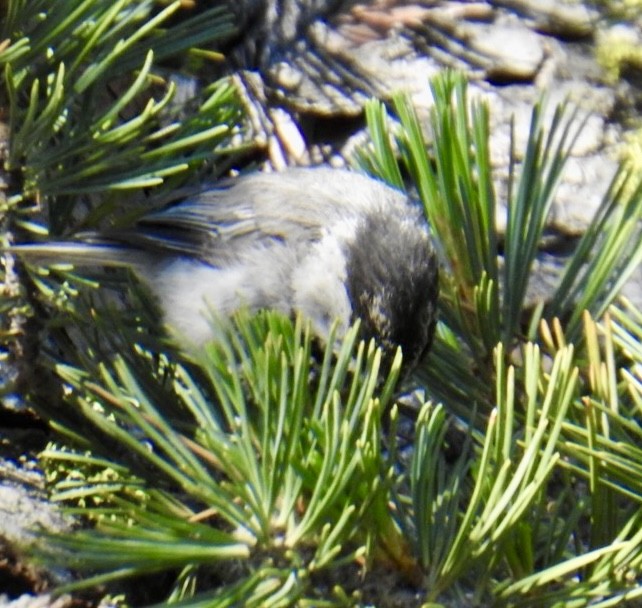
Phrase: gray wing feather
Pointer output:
(278, 203)
(260, 208)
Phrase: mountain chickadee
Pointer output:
(331, 244)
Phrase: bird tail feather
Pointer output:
(77, 254)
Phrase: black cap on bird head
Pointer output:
(392, 280)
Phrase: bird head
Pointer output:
(392, 283)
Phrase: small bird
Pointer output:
(331, 244)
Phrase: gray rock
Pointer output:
(36, 601)
(512, 53)
(25, 511)
(585, 182)
(569, 20)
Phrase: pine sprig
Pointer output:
(91, 106)
(284, 466)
